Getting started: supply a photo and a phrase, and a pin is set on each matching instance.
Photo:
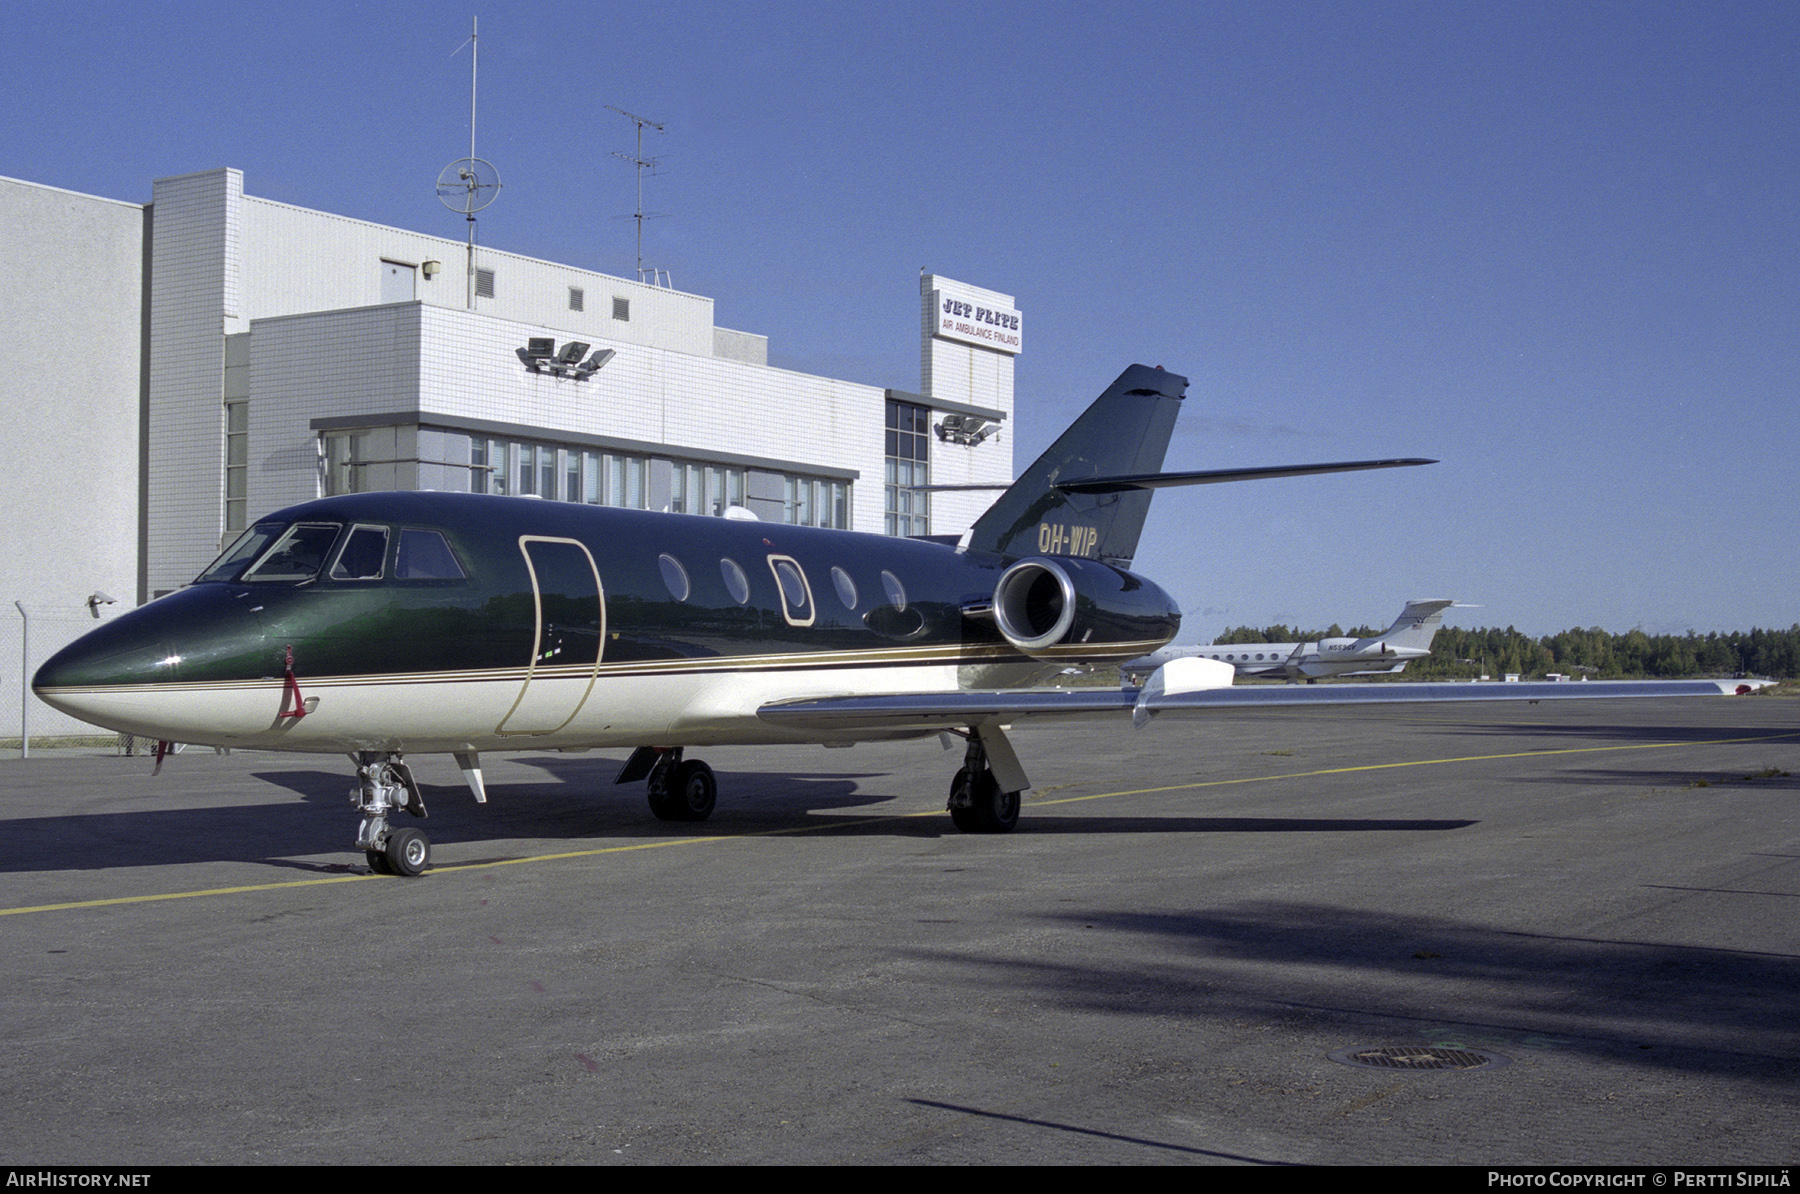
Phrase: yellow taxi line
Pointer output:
(849, 822)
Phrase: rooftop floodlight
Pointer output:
(541, 346)
(592, 365)
(968, 430)
(571, 353)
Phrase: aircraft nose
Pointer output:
(187, 635)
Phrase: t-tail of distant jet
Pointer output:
(1089, 493)
(1411, 634)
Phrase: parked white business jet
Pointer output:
(1407, 639)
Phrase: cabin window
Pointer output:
(675, 577)
(424, 555)
(846, 588)
(297, 555)
(736, 583)
(796, 594)
(896, 592)
(362, 555)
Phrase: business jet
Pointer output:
(1390, 651)
(383, 624)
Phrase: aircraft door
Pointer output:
(571, 629)
(796, 592)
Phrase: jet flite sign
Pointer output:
(1000, 328)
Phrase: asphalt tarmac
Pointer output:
(1588, 913)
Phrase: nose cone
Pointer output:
(203, 633)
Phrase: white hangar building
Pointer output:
(172, 371)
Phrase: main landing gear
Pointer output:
(979, 801)
(388, 786)
(678, 789)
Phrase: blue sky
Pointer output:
(1556, 246)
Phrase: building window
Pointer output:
(705, 489)
(237, 465)
(622, 310)
(908, 464)
(346, 457)
(577, 298)
(598, 477)
(816, 502)
(484, 283)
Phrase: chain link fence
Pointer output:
(26, 643)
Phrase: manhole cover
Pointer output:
(1419, 1057)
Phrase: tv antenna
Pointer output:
(642, 163)
(469, 184)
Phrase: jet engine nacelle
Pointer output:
(1041, 603)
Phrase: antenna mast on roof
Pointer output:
(470, 184)
(642, 163)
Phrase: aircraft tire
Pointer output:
(663, 806)
(378, 862)
(408, 852)
(989, 810)
(694, 791)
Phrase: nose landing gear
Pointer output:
(388, 786)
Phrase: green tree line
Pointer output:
(1458, 653)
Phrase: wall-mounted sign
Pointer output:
(981, 324)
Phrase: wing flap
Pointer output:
(927, 711)
(1288, 696)
(944, 710)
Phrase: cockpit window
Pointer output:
(362, 555)
(297, 555)
(424, 555)
(245, 548)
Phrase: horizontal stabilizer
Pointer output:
(1213, 476)
(1217, 476)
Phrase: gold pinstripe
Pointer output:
(792, 661)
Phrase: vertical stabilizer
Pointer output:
(1415, 626)
(1125, 432)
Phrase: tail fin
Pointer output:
(1416, 625)
(1125, 432)
(1088, 495)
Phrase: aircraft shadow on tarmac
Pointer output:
(1622, 733)
(578, 804)
(1694, 778)
(1393, 978)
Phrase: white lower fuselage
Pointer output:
(684, 702)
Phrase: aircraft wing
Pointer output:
(927, 711)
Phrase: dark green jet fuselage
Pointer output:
(555, 592)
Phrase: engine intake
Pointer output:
(1041, 604)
